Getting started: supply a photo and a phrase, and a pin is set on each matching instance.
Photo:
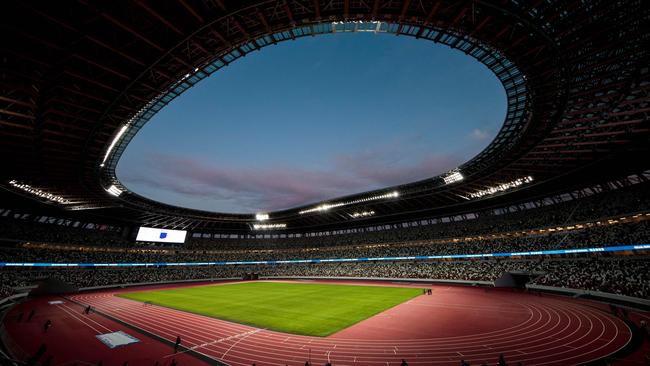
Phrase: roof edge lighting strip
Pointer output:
(113, 143)
(327, 206)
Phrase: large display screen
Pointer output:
(161, 235)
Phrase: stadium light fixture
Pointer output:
(268, 226)
(327, 206)
(39, 193)
(358, 26)
(261, 216)
(113, 143)
(453, 177)
(114, 191)
(356, 215)
(501, 187)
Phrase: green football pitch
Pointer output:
(299, 308)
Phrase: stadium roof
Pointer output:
(79, 79)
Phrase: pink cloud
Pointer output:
(281, 187)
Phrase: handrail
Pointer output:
(644, 303)
(7, 299)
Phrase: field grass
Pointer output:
(299, 308)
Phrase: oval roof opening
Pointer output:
(315, 119)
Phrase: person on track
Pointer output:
(47, 325)
(178, 343)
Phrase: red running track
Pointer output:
(455, 323)
(71, 339)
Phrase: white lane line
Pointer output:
(89, 318)
(239, 340)
(245, 334)
(81, 320)
(220, 340)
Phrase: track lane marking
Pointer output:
(536, 344)
(238, 340)
(81, 320)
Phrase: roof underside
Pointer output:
(73, 73)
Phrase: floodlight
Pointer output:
(38, 192)
(114, 191)
(268, 226)
(261, 216)
(452, 177)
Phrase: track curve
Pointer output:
(456, 323)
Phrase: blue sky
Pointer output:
(315, 119)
